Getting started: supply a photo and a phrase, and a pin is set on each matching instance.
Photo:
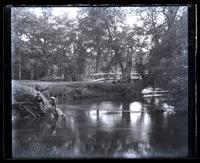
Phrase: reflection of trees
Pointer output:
(152, 100)
(79, 136)
(126, 114)
(170, 133)
(139, 144)
(42, 137)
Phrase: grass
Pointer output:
(74, 90)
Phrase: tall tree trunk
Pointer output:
(20, 68)
(117, 55)
(98, 57)
(127, 71)
(81, 63)
(97, 64)
(32, 74)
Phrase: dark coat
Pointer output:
(39, 101)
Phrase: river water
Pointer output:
(103, 129)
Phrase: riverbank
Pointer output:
(65, 91)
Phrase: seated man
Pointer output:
(52, 102)
(39, 104)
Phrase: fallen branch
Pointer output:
(30, 112)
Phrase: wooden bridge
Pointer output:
(107, 76)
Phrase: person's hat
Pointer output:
(53, 98)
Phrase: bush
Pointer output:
(23, 93)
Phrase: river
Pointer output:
(103, 129)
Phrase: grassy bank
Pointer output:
(64, 91)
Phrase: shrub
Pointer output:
(23, 93)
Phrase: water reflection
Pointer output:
(136, 106)
(105, 118)
(155, 100)
(103, 129)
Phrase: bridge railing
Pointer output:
(110, 76)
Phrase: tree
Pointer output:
(17, 17)
(25, 41)
(168, 55)
(100, 40)
(38, 42)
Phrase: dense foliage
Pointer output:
(99, 39)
